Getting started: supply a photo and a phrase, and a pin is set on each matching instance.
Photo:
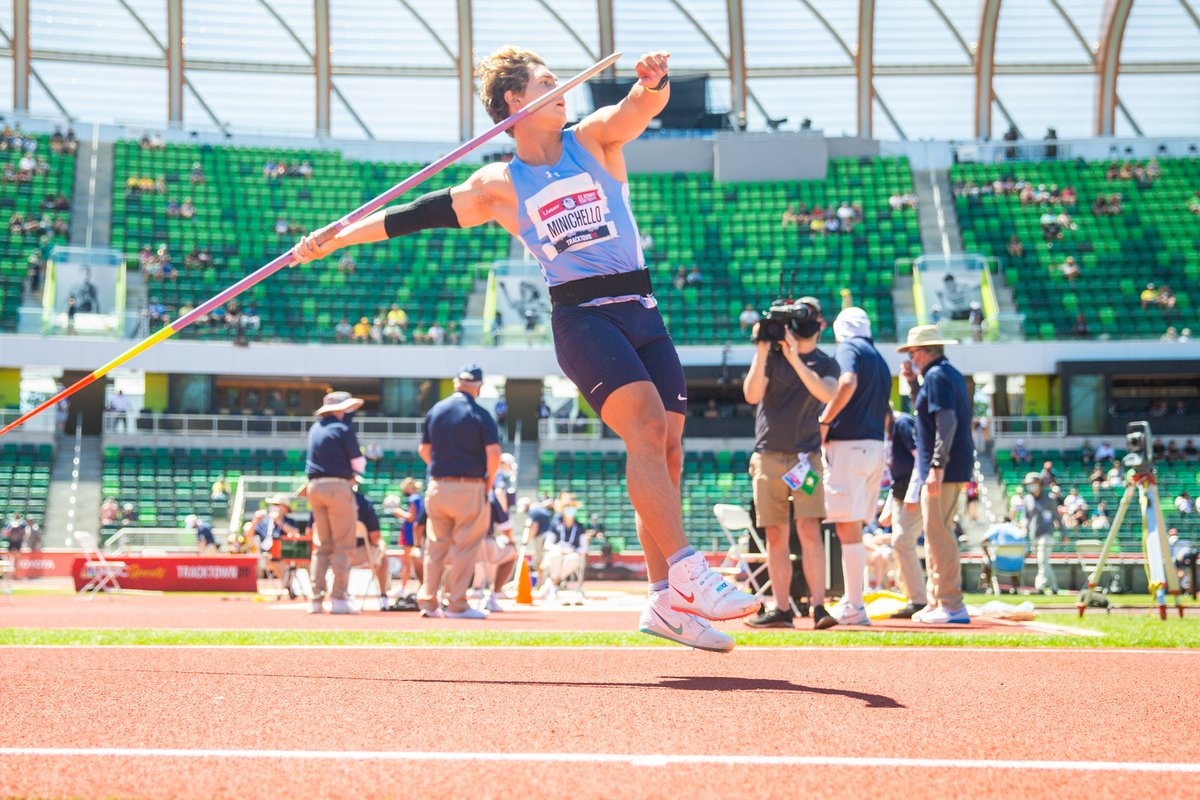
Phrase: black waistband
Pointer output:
(575, 293)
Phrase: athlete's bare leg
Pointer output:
(636, 413)
(656, 561)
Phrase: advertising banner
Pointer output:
(181, 573)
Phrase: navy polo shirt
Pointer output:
(331, 445)
(900, 459)
(863, 417)
(366, 512)
(945, 388)
(561, 533)
(459, 429)
(541, 517)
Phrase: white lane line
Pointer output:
(613, 648)
(632, 759)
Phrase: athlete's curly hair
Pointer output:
(505, 70)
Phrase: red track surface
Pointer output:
(966, 705)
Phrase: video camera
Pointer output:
(1139, 441)
(783, 315)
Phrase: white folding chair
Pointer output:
(573, 580)
(740, 564)
(103, 574)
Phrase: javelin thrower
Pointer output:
(565, 196)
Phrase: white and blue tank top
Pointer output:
(575, 219)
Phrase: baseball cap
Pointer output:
(852, 322)
(470, 372)
(811, 301)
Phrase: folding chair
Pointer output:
(1006, 558)
(573, 581)
(7, 571)
(739, 564)
(102, 573)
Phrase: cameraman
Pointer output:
(788, 382)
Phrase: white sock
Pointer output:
(854, 564)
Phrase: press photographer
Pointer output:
(789, 381)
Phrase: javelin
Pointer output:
(324, 235)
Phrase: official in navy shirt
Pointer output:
(945, 461)
(906, 512)
(461, 445)
(852, 427)
(334, 458)
(368, 543)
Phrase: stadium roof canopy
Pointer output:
(400, 69)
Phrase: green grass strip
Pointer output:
(1119, 630)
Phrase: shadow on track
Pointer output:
(694, 683)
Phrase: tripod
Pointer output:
(1160, 567)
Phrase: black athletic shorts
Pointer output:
(602, 348)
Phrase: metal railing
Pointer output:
(1091, 149)
(42, 423)
(579, 428)
(1013, 427)
(169, 540)
(216, 425)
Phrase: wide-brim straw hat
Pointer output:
(924, 336)
(279, 500)
(339, 401)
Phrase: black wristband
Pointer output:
(433, 210)
(660, 85)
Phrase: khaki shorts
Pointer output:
(771, 494)
(372, 554)
(853, 471)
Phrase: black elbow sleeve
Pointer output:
(433, 210)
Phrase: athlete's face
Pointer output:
(541, 80)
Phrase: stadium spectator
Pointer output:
(1190, 454)
(1100, 519)
(905, 512)
(1116, 475)
(1194, 203)
(695, 277)
(1184, 504)
(1096, 479)
(460, 443)
(204, 533)
(436, 334)
(1074, 509)
(392, 333)
(1149, 296)
(1166, 297)
(129, 514)
(852, 428)
(945, 462)
(332, 462)
(1051, 227)
(1049, 477)
(647, 242)
(187, 209)
(1020, 454)
(1087, 453)
(788, 383)
(362, 331)
(1185, 335)
(376, 332)
(1080, 327)
(220, 490)
(305, 170)
(1105, 452)
(564, 549)
(399, 316)
(1069, 269)
(680, 279)
(907, 200)
(343, 331)
(1174, 454)
(1041, 523)
(197, 174)
(747, 318)
(33, 271)
(346, 264)
(1016, 505)
(975, 320)
(110, 512)
(14, 531)
(118, 406)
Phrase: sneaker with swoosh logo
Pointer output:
(698, 589)
(659, 619)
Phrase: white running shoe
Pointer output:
(432, 613)
(315, 607)
(700, 590)
(550, 592)
(920, 615)
(467, 613)
(490, 603)
(847, 614)
(659, 619)
(342, 607)
(383, 602)
(943, 616)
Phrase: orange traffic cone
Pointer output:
(524, 585)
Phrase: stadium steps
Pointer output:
(528, 468)
(924, 182)
(97, 197)
(87, 493)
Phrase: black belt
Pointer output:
(574, 293)
(328, 477)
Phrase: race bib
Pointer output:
(570, 214)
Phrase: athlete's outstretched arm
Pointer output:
(613, 126)
(463, 206)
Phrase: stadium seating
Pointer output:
(25, 199)
(168, 484)
(429, 275)
(1154, 240)
(1072, 473)
(734, 233)
(598, 482)
(25, 479)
